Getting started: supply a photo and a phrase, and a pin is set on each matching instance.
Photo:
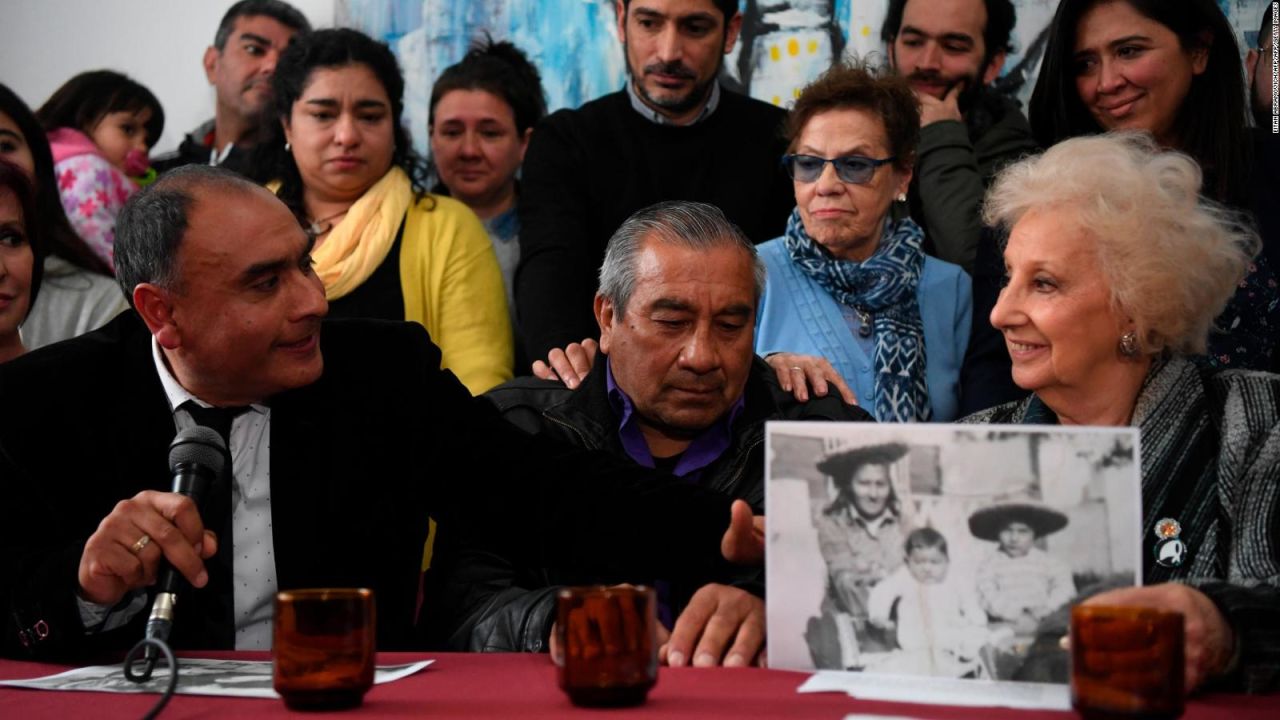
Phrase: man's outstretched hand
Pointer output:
(743, 542)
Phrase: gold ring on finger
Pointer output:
(142, 543)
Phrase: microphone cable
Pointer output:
(196, 458)
(149, 662)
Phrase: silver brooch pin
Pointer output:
(1170, 551)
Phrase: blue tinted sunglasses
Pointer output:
(856, 169)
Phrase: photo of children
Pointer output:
(945, 551)
(1018, 582)
(933, 615)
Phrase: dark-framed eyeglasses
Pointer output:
(856, 169)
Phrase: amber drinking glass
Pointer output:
(323, 652)
(608, 644)
(1126, 662)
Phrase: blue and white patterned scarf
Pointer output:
(883, 285)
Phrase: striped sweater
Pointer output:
(1210, 446)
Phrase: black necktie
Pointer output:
(218, 629)
(215, 418)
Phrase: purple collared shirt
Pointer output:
(704, 450)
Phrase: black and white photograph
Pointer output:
(943, 550)
(196, 676)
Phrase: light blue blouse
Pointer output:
(797, 315)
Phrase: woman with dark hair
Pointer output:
(483, 110)
(101, 125)
(77, 294)
(1170, 68)
(19, 257)
(850, 282)
(340, 159)
(860, 536)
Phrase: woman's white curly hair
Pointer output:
(1171, 257)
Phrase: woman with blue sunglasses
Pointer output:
(850, 282)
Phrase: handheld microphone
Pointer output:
(197, 457)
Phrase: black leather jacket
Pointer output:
(195, 150)
(484, 602)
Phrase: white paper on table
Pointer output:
(941, 691)
(196, 676)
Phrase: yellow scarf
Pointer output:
(358, 245)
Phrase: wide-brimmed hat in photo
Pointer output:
(986, 523)
(841, 464)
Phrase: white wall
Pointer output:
(159, 43)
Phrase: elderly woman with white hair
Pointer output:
(1116, 268)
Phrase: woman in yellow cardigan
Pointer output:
(385, 248)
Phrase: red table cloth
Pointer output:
(524, 686)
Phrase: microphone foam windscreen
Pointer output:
(200, 445)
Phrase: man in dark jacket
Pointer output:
(239, 65)
(677, 388)
(951, 51)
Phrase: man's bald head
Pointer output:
(150, 228)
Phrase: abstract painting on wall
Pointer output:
(783, 45)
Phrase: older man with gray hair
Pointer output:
(679, 389)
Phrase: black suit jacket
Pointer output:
(359, 459)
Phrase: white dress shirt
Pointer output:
(253, 559)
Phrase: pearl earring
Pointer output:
(286, 147)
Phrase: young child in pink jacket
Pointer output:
(101, 126)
